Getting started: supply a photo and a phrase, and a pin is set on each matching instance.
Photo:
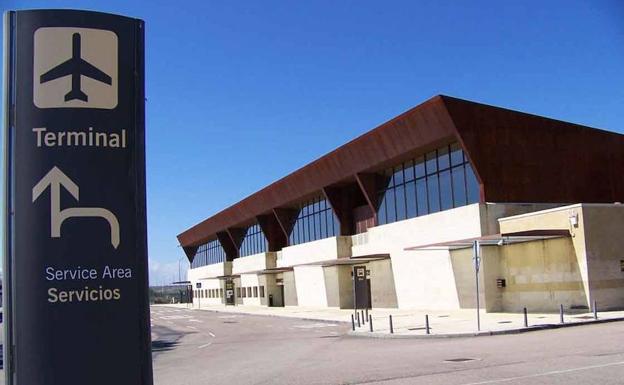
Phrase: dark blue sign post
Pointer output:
(75, 252)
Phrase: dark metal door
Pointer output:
(361, 288)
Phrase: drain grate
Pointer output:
(421, 328)
(504, 322)
(585, 317)
(460, 359)
(443, 316)
(230, 322)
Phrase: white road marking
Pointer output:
(317, 325)
(196, 320)
(211, 334)
(554, 372)
(176, 317)
(204, 345)
(192, 327)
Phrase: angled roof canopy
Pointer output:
(517, 157)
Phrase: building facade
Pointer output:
(390, 219)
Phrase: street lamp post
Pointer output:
(476, 257)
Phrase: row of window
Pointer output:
(208, 253)
(254, 241)
(250, 292)
(439, 180)
(208, 293)
(241, 292)
(316, 220)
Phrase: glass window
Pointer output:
(400, 202)
(208, 253)
(472, 184)
(249, 292)
(444, 161)
(431, 162)
(459, 186)
(238, 292)
(457, 155)
(408, 171)
(398, 175)
(316, 220)
(261, 291)
(410, 199)
(419, 167)
(390, 206)
(254, 241)
(433, 189)
(446, 191)
(255, 291)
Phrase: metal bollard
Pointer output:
(526, 318)
(595, 310)
(427, 324)
(364, 319)
(366, 313)
(561, 313)
(391, 327)
(358, 318)
(370, 322)
(352, 323)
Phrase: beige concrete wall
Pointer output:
(604, 240)
(290, 289)
(555, 219)
(338, 286)
(541, 275)
(252, 263)
(209, 271)
(250, 280)
(310, 284)
(273, 289)
(316, 251)
(203, 299)
(383, 291)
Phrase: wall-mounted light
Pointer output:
(573, 220)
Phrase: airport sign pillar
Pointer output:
(75, 243)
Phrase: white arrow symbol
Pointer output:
(55, 178)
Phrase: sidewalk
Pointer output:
(411, 323)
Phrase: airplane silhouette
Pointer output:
(75, 67)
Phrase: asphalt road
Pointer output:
(194, 347)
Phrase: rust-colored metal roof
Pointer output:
(517, 157)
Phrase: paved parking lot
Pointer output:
(194, 347)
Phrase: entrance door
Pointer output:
(361, 288)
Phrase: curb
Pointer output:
(365, 334)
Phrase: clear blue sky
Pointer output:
(242, 93)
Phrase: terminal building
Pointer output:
(389, 220)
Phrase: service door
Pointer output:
(361, 288)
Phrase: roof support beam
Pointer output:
(273, 232)
(286, 218)
(231, 240)
(343, 199)
(369, 184)
(190, 252)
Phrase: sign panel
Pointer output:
(229, 292)
(75, 251)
